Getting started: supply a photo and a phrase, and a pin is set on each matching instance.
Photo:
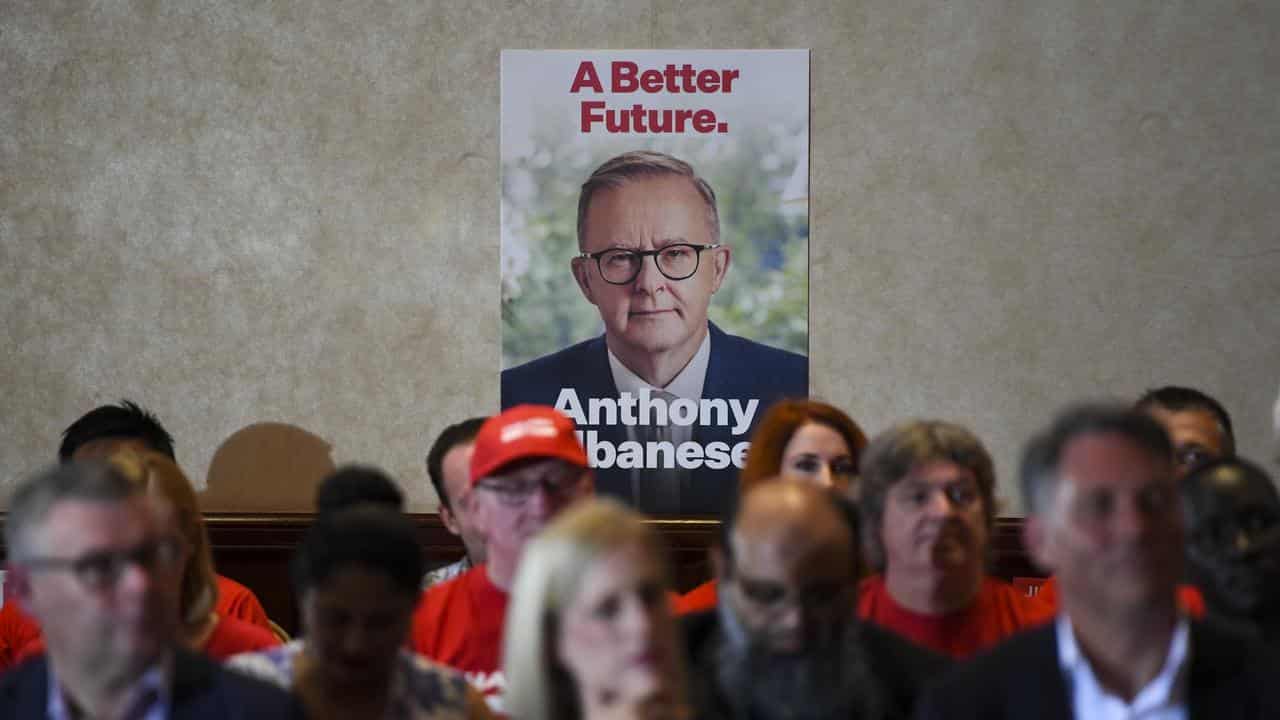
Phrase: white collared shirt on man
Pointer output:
(1164, 698)
(687, 384)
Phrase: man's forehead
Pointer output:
(1108, 458)
(656, 210)
(456, 466)
(533, 469)
(103, 447)
(1194, 421)
(938, 472)
(76, 526)
(790, 552)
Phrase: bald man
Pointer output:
(1233, 543)
(784, 640)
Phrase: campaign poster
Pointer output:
(655, 223)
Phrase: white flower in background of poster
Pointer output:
(665, 373)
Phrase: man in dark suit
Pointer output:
(1104, 515)
(88, 559)
(784, 641)
(651, 258)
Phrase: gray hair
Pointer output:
(618, 171)
(894, 453)
(34, 497)
(1038, 473)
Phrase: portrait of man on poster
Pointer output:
(680, 390)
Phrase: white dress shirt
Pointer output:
(687, 384)
(1164, 698)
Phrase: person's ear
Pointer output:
(719, 563)
(581, 268)
(17, 586)
(477, 511)
(449, 520)
(721, 257)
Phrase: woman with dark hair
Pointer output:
(357, 575)
(801, 441)
(807, 441)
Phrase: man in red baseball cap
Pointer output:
(527, 466)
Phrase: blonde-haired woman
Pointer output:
(589, 634)
(203, 629)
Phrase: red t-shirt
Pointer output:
(229, 637)
(1190, 599)
(17, 630)
(237, 601)
(701, 598)
(999, 611)
(233, 635)
(459, 623)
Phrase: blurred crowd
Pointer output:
(851, 579)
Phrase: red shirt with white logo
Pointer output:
(998, 611)
(459, 623)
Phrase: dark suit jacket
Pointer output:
(901, 668)
(738, 368)
(202, 690)
(1232, 677)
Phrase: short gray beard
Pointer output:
(832, 678)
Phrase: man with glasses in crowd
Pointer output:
(527, 465)
(651, 257)
(88, 560)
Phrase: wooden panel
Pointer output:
(255, 549)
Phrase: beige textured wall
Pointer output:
(278, 221)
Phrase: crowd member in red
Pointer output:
(527, 466)
(801, 440)
(107, 428)
(17, 630)
(928, 506)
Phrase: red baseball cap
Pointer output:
(525, 431)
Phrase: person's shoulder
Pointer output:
(431, 686)
(441, 608)
(699, 628)
(237, 600)
(274, 664)
(739, 365)
(984, 687)
(204, 689)
(1015, 607)
(551, 370)
(23, 689)
(756, 351)
(232, 636)
(1230, 667)
(703, 597)
(455, 587)
(888, 648)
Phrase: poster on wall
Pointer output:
(655, 223)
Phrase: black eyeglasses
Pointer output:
(101, 570)
(677, 261)
(517, 492)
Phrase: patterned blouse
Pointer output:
(420, 690)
